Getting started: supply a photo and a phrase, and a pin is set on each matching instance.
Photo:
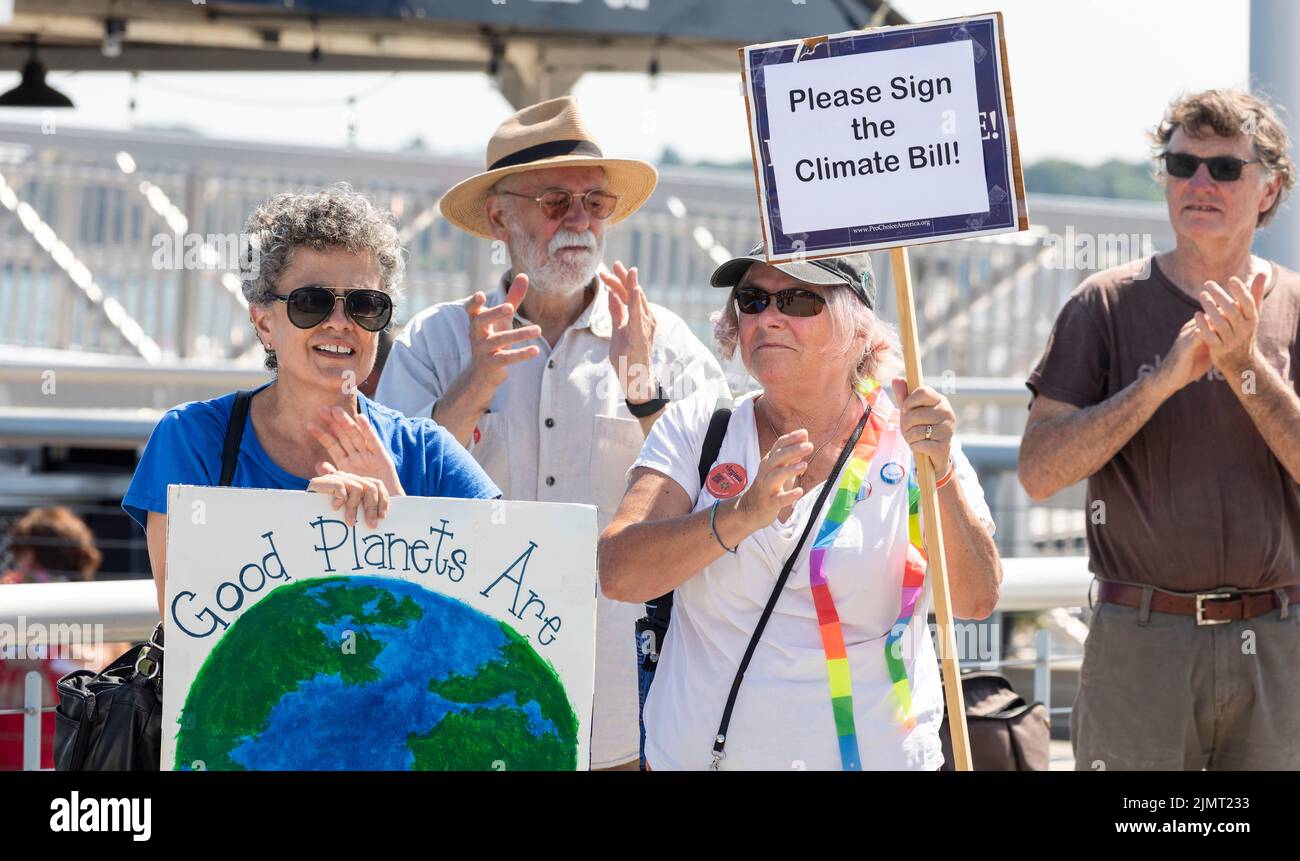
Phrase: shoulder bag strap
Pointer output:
(720, 740)
(713, 439)
(660, 609)
(234, 433)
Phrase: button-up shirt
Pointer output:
(558, 430)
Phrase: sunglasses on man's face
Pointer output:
(308, 307)
(794, 302)
(1222, 168)
(555, 203)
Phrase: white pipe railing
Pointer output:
(116, 610)
(127, 610)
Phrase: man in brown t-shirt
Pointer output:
(1170, 385)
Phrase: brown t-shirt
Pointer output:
(1196, 499)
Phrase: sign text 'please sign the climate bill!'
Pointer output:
(886, 137)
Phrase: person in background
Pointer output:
(48, 545)
(553, 378)
(1169, 384)
(51, 545)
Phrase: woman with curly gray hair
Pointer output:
(321, 278)
(827, 629)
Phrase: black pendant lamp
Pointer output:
(33, 92)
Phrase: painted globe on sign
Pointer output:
(373, 673)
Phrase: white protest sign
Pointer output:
(898, 158)
(883, 138)
(459, 634)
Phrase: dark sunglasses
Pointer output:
(794, 302)
(308, 307)
(1223, 168)
(555, 204)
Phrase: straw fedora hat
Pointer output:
(547, 134)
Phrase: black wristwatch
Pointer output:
(650, 407)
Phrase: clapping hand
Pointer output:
(633, 333)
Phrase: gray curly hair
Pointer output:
(332, 217)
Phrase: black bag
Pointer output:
(1005, 732)
(112, 720)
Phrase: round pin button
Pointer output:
(726, 480)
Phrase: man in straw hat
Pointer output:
(553, 378)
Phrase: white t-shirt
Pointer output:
(783, 718)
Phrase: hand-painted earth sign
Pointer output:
(458, 635)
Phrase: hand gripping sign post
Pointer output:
(885, 138)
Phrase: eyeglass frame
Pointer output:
(392, 306)
(772, 299)
(1205, 160)
(572, 197)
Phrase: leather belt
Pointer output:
(1209, 608)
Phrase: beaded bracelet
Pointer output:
(713, 513)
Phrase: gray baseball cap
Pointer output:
(852, 271)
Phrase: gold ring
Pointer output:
(929, 431)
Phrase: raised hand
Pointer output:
(1228, 321)
(633, 333)
(490, 336)
(354, 447)
(767, 494)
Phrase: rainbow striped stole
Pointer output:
(848, 494)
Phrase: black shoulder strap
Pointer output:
(660, 610)
(720, 740)
(234, 433)
(713, 439)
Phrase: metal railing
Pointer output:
(128, 611)
(33, 686)
(114, 205)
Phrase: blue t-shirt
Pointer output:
(185, 448)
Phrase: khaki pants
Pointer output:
(1163, 693)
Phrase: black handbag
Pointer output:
(112, 720)
(1005, 732)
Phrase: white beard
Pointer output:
(548, 273)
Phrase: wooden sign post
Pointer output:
(885, 138)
